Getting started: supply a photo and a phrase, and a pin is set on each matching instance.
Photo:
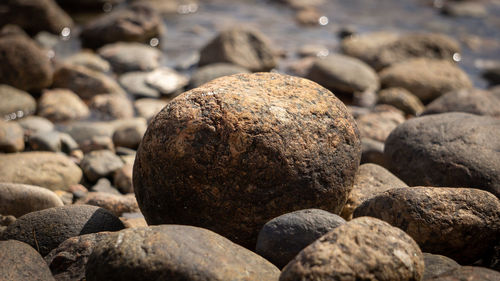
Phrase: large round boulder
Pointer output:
(243, 149)
(174, 252)
(449, 149)
(460, 223)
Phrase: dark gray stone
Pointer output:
(45, 230)
(282, 238)
(449, 149)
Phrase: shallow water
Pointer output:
(187, 33)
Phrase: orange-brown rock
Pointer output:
(243, 149)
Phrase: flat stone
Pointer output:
(20, 199)
(401, 99)
(116, 204)
(175, 252)
(460, 223)
(89, 60)
(210, 72)
(126, 57)
(167, 81)
(379, 124)
(135, 84)
(229, 152)
(111, 107)
(50, 170)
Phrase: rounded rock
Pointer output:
(229, 152)
(11, 137)
(99, 164)
(46, 229)
(425, 78)
(60, 105)
(175, 252)
(343, 74)
(116, 204)
(379, 124)
(469, 273)
(21, 262)
(111, 107)
(370, 180)
(474, 101)
(449, 149)
(282, 238)
(50, 170)
(245, 47)
(460, 223)
(20, 199)
(436, 265)
(24, 65)
(15, 101)
(68, 260)
(362, 249)
(126, 57)
(210, 72)
(401, 99)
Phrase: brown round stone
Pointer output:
(21, 262)
(362, 249)
(243, 149)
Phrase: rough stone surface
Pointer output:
(379, 124)
(20, 199)
(436, 265)
(382, 49)
(86, 83)
(343, 74)
(449, 149)
(425, 78)
(210, 72)
(401, 99)
(245, 47)
(24, 65)
(21, 262)
(60, 105)
(126, 57)
(244, 149)
(460, 223)
(370, 180)
(136, 23)
(15, 101)
(475, 101)
(175, 252)
(111, 107)
(466, 273)
(67, 262)
(46, 229)
(282, 238)
(99, 164)
(47, 169)
(34, 15)
(116, 204)
(362, 249)
(11, 137)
